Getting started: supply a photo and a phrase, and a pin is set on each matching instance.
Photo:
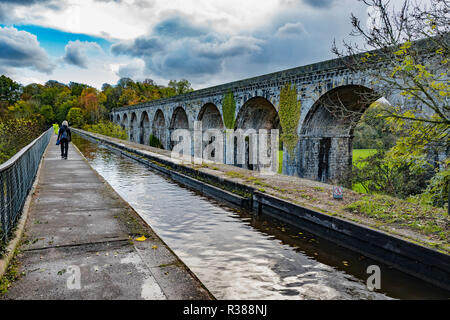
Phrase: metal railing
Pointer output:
(16, 179)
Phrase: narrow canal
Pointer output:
(238, 256)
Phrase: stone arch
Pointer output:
(144, 128)
(124, 123)
(211, 118)
(159, 129)
(118, 119)
(256, 113)
(327, 132)
(133, 127)
(179, 120)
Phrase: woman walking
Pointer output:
(64, 137)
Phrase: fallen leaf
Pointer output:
(154, 247)
(143, 238)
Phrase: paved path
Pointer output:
(80, 229)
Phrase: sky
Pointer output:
(207, 42)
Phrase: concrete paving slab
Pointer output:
(59, 200)
(47, 230)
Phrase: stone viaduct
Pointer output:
(324, 150)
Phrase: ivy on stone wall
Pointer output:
(229, 109)
(289, 114)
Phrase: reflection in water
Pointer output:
(238, 256)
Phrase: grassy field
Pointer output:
(359, 154)
(362, 154)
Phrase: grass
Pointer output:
(425, 219)
(360, 154)
(280, 161)
(12, 274)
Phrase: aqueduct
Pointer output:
(324, 149)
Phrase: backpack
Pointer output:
(64, 135)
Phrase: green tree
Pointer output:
(22, 109)
(76, 117)
(47, 112)
(181, 86)
(9, 91)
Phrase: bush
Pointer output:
(107, 128)
(380, 174)
(76, 117)
(437, 192)
(17, 133)
(154, 142)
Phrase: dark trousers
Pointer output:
(64, 147)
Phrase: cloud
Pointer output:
(75, 52)
(133, 70)
(23, 2)
(178, 27)
(177, 47)
(140, 47)
(319, 3)
(21, 49)
(9, 8)
(292, 30)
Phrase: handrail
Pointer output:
(17, 176)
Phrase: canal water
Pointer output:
(239, 256)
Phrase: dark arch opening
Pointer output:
(327, 132)
(118, 119)
(179, 121)
(133, 127)
(211, 118)
(144, 128)
(124, 123)
(159, 130)
(257, 113)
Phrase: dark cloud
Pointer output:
(319, 3)
(7, 15)
(75, 52)
(24, 2)
(21, 49)
(178, 48)
(140, 47)
(178, 27)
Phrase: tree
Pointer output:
(182, 86)
(47, 112)
(408, 54)
(22, 109)
(75, 117)
(63, 109)
(9, 91)
(405, 52)
(125, 82)
(90, 102)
